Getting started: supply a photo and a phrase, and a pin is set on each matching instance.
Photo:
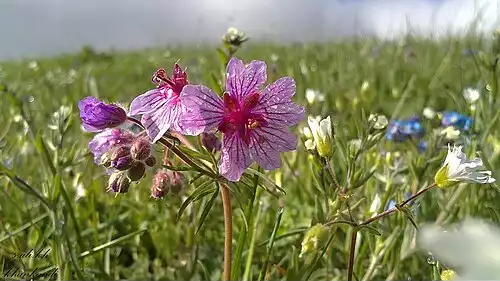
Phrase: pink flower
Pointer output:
(161, 107)
(253, 120)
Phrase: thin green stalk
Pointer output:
(248, 266)
(271, 243)
(235, 270)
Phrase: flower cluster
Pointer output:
(252, 119)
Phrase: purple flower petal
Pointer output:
(268, 142)
(276, 105)
(240, 83)
(235, 157)
(146, 102)
(204, 109)
(159, 121)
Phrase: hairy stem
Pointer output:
(228, 237)
(390, 211)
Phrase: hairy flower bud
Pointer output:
(140, 149)
(165, 181)
(106, 160)
(314, 239)
(121, 158)
(118, 182)
(211, 142)
(150, 161)
(137, 171)
(161, 184)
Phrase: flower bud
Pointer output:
(118, 182)
(315, 239)
(176, 182)
(106, 160)
(121, 158)
(211, 142)
(140, 149)
(150, 161)
(137, 171)
(97, 115)
(448, 274)
(322, 134)
(161, 184)
(379, 122)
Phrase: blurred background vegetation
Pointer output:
(94, 234)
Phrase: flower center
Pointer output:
(238, 117)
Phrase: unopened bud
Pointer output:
(315, 239)
(211, 142)
(106, 160)
(176, 182)
(121, 158)
(161, 184)
(150, 161)
(141, 149)
(118, 182)
(137, 171)
(448, 274)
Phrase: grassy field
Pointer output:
(53, 197)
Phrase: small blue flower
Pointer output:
(422, 146)
(401, 130)
(457, 120)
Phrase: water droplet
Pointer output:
(431, 260)
(31, 99)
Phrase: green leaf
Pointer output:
(206, 209)
(41, 147)
(319, 213)
(216, 86)
(179, 168)
(203, 190)
(370, 229)
(224, 58)
(270, 245)
(266, 180)
(409, 215)
(365, 178)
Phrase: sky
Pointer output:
(31, 28)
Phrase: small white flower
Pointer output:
(450, 133)
(379, 121)
(429, 113)
(365, 86)
(313, 95)
(307, 132)
(471, 95)
(322, 134)
(457, 168)
(33, 65)
(473, 247)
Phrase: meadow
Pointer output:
(55, 199)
